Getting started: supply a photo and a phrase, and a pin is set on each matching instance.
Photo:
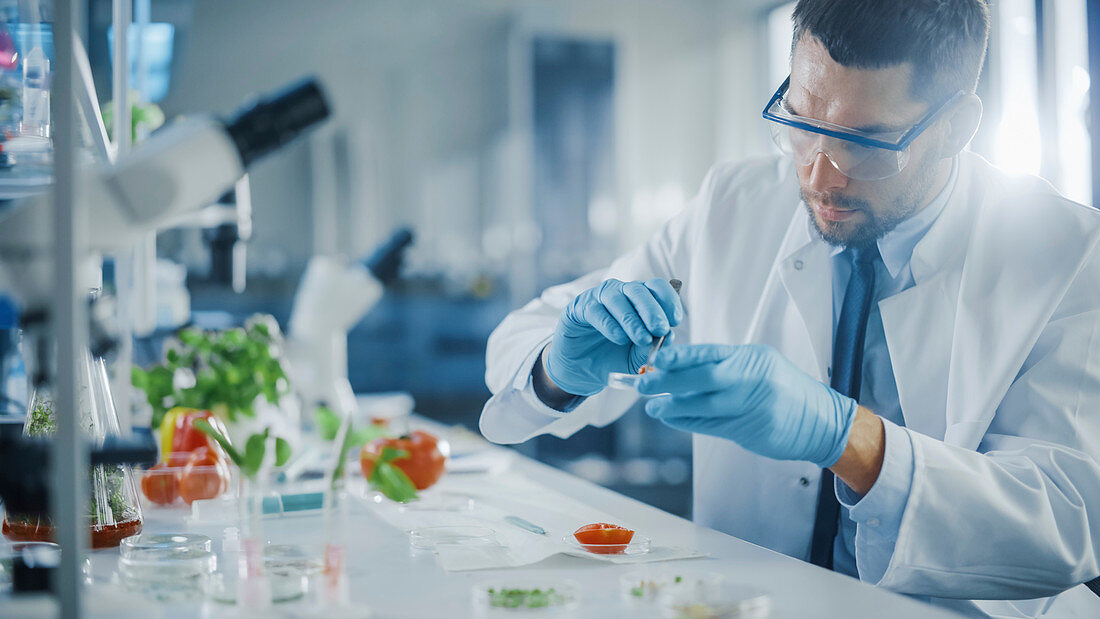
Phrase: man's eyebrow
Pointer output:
(876, 128)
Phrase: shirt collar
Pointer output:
(896, 246)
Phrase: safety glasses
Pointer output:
(859, 155)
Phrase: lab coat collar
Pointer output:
(896, 246)
(922, 357)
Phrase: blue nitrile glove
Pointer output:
(751, 395)
(609, 328)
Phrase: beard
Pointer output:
(876, 224)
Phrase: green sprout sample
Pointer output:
(525, 598)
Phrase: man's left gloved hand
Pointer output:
(753, 396)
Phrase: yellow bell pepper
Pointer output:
(167, 427)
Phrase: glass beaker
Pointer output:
(114, 512)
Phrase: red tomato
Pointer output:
(186, 437)
(204, 477)
(161, 484)
(603, 538)
(424, 464)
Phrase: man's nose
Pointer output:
(824, 177)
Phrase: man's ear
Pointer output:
(962, 123)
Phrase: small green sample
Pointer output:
(525, 598)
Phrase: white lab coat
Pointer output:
(995, 351)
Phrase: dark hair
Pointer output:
(943, 40)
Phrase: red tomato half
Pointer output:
(424, 465)
(603, 538)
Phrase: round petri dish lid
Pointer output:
(647, 584)
(721, 602)
(639, 545)
(430, 538)
(155, 545)
(506, 597)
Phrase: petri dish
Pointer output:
(163, 545)
(287, 560)
(646, 585)
(639, 545)
(430, 538)
(288, 569)
(721, 602)
(506, 598)
(438, 502)
(428, 501)
(181, 576)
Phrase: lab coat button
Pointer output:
(798, 265)
(873, 522)
(802, 481)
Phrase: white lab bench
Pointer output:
(393, 581)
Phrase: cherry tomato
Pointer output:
(603, 538)
(161, 484)
(204, 477)
(424, 464)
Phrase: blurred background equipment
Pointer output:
(331, 298)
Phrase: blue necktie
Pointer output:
(847, 374)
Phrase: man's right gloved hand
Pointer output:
(607, 329)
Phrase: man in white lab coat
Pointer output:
(876, 305)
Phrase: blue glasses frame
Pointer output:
(853, 135)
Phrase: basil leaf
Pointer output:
(393, 482)
(254, 454)
(282, 451)
(328, 422)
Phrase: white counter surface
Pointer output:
(394, 582)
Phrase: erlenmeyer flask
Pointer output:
(114, 511)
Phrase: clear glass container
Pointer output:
(179, 486)
(114, 510)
